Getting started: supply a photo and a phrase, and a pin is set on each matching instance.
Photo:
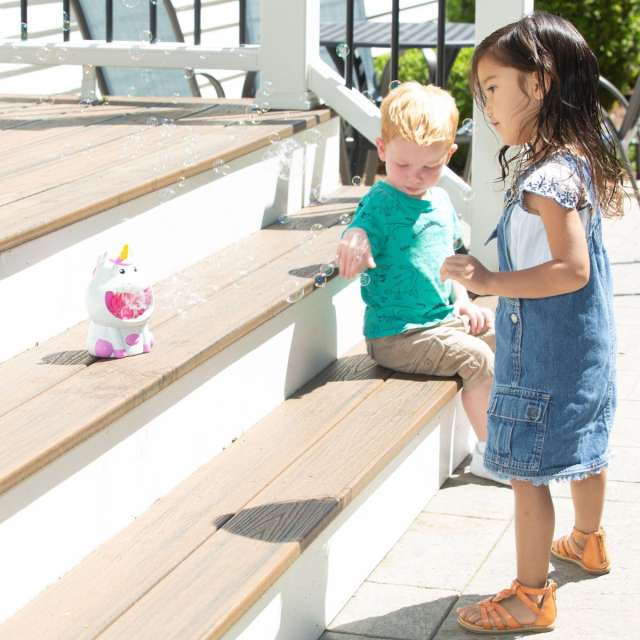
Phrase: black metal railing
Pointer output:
(153, 20)
(395, 37)
(197, 31)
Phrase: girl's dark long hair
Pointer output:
(570, 116)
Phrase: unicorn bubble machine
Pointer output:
(120, 302)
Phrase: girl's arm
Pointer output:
(568, 270)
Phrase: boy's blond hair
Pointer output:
(419, 113)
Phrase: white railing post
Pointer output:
(88, 94)
(289, 42)
(486, 205)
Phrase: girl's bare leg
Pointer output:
(588, 501)
(535, 521)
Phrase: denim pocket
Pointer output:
(518, 420)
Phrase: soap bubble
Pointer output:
(316, 229)
(328, 269)
(467, 127)
(62, 53)
(284, 219)
(320, 280)
(43, 53)
(365, 279)
(292, 290)
(135, 53)
(188, 74)
(345, 218)
(167, 193)
(316, 195)
(313, 136)
(394, 84)
(342, 50)
(356, 181)
(131, 4)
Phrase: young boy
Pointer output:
(401, 233)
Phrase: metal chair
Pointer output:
(132, 23)
(629, 129)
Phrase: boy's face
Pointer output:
(413, 168)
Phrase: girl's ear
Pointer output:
(538, 93)
(380, 147)
(452, 150)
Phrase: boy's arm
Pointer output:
(361, 241)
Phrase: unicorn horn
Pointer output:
(124, 253)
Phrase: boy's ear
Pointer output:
(452, 150)
(380, 147)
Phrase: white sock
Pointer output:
(481, 446)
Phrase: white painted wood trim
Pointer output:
(165, 55)
(55, 518)
(486, 206)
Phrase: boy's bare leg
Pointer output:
(476, 402)
(588, 501)
(534, 520)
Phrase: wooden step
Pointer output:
(194, 563)
(55, 396)
(70, 194)
(46, 192)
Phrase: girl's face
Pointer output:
(510, 109)
(414, 168)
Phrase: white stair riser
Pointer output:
(164, 236)
(308, 596)
(49, 522)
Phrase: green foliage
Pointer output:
(612, 30)
(461, 10)
(411, 66)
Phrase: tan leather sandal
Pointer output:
(496, 619)
(587, 550)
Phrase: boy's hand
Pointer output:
(354, 253)
(469, 272)
(480, 318)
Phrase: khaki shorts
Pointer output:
(444, 350)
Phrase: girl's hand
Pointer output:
(354, 253)
(469, 272)
(480, 318)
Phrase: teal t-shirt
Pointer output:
(409, 238)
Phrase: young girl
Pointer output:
(554, 394)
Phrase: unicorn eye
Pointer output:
(121, 270)
(135, 269)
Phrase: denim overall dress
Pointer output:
(554, 393)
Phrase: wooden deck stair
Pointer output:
(56, 395)
(193, 564)
(220, 486)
